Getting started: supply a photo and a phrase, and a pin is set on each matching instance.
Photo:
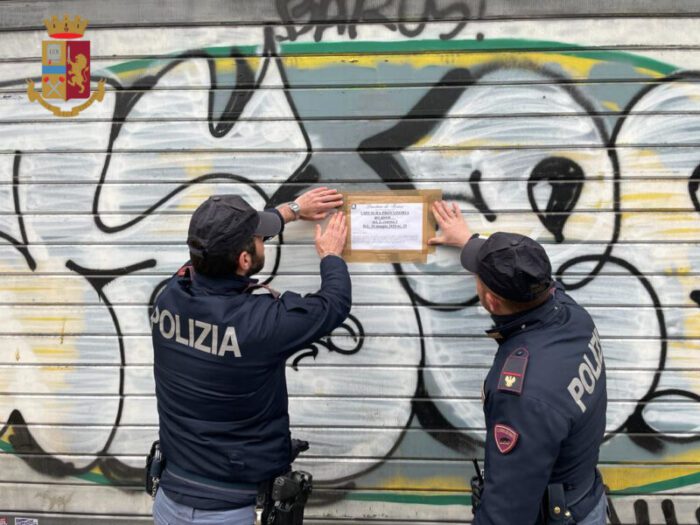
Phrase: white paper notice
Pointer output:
(397, 226)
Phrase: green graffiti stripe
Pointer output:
(498, 44)
(409, 46)
(214, 52)
(659, 486)
(436, 499)
(87, 476)
(413, 498)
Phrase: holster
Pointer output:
(554, 508)
(155, 464)
(282, 502)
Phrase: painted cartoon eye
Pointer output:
(236, 150)
(529, 158)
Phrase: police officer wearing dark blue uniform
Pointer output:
(545, 394)
(220, 352)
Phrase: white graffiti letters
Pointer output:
(588, 373)
(200, 335)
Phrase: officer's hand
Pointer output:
(453, 229)
(316, 204)
(332, 241)
(477, 487)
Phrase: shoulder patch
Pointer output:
(513, 373)
(506, 438)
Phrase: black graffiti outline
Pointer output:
(409, 131)
(357, 334)
(440, 99)
(641, 512)
(129, 99)
(656, 303)
(636, 420)
(478, 201)
(22, 246)
(564, 195)
(694, 192)
(302, 176)
(22, 439)
(321, 20)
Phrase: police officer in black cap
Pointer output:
(545, 394)
(220, 352)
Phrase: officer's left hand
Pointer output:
(317, 203)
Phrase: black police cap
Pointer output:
(224, 223)
(512, 265)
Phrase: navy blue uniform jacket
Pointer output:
(545, 425)
(219, 366)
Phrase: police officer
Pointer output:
(220, 352)
(544, 396)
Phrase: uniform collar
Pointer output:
(506, 326)
(222, 285)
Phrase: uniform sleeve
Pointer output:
(516, 480)
(303, 320)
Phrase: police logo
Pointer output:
(506, 438)
(65, 71)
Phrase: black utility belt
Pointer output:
(280, 501)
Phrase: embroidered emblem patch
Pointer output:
(513, 372)
(505, 437)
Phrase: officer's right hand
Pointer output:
(453, 228)
(332, 241)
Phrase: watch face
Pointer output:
(295, 207)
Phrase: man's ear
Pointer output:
(245, 261)
(493, 303)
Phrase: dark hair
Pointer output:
(220, 265)
(518, 306)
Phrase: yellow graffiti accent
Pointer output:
(679, 231)
(678, 270)
(574, 66)
(614, 106)
(691, 328)
(97, 95)
(48, 319)
(434, 483)
(22, 289)
(9, 432)
(54, 351)
(620, 478)
(197, 170)
(649, 72)
(192, 201)
(647, 196)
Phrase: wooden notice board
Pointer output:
(389, 226)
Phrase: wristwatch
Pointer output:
(296, 209)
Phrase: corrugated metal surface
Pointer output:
(577, 123)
